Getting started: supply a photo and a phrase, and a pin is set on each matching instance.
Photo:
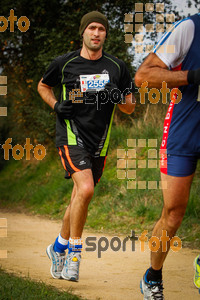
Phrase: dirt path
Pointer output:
(114, 276)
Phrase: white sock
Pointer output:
(61, 240)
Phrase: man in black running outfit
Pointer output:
(92, 83)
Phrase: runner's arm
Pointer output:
(129, 106)
(47, 94)
(155, 71)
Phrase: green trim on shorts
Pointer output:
(70, 135)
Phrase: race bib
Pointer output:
(95, 82)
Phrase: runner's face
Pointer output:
(94, 36)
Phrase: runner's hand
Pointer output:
(194, 76)
(64, 109)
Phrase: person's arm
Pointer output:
(129, 106)
(155, 71)
(64, 109)
(126, 86)
(47, 94)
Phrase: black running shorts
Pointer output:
(76, 159)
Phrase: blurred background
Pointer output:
(38, 186)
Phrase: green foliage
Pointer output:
(29, 290)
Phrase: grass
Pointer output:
(17, 288)
(39, 187)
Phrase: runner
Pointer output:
(95, 82)
(180, 146)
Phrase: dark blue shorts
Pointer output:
(180, 165)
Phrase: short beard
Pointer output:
(91, 48)
(94, 49)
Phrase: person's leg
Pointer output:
(61, 242)
(71, 156)
(76, 211)
(84, 184)
(56, 251)
(78, 208)
(176, 197)
(65, 230)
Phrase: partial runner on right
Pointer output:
(180, 146)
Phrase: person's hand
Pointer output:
(194, 76)
(65, 109)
